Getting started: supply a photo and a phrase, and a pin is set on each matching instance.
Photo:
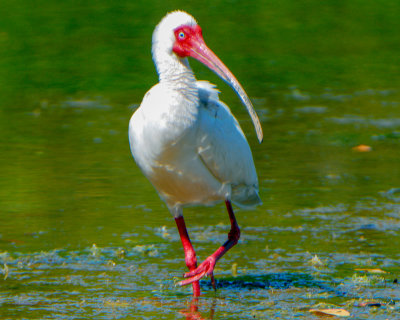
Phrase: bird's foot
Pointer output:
(206, 268)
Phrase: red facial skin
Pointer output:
(186, 38)
(189, 42)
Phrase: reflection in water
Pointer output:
(192, 312)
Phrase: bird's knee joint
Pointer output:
(191, 260)
(234, 234)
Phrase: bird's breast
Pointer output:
(162, 121)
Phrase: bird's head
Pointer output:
(164, 35)
(179, 35)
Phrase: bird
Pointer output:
(187, 142)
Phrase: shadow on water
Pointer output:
(205, 308)
(271, 281)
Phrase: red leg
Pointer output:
(207, 267)
(190, 254)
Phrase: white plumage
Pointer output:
(185, 140)
(192, 153)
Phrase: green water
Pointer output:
(324, 78)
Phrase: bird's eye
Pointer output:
(181, 35)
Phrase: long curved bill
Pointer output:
(202, 53)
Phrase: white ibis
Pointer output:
(187, 142)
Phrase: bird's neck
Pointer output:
(176, 70)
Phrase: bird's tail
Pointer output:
(245, 196)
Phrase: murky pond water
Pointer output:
(84, 235)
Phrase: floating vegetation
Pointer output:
(5, 271)
(150, 250)
(331, 312)
(362, 148)
(315, 261)
(377, 270)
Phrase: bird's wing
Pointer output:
(223, 147)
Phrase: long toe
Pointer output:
(192, 279)
(199, 270)
(206, 268)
